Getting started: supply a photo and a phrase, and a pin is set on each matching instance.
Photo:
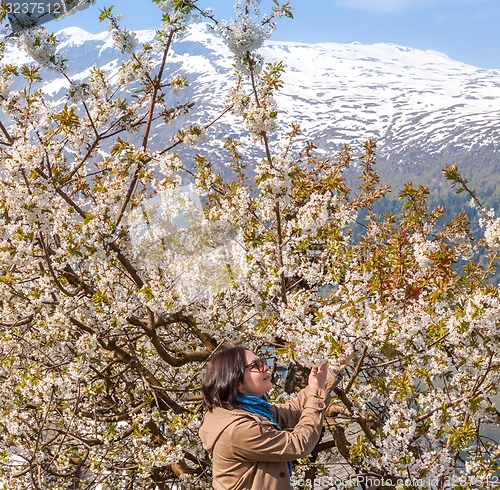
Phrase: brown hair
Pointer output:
(223, 375)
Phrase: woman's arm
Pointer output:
(254, 441)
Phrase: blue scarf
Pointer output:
(262, 407)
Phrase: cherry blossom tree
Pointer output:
(122, 268)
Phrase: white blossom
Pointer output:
(124, 40)
(243, 36)
(41, 45)
(492, 233)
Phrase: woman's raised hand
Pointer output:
(317, 377)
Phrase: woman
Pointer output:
(245, 434)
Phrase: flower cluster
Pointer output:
(423, 250)
(492, 233)
(243, 36)
(41, 45)
(124, 40)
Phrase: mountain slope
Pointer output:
(423, 109)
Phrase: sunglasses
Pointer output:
(259, 364)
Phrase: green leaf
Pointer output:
(105, 13)
(31, 73)
(88, 219)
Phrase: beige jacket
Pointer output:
(250, 453)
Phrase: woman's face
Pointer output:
(256, 380)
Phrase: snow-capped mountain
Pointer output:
(421, 107)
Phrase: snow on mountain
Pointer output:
(419, 106)
(399, 96)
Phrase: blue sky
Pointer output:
(466, 30)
